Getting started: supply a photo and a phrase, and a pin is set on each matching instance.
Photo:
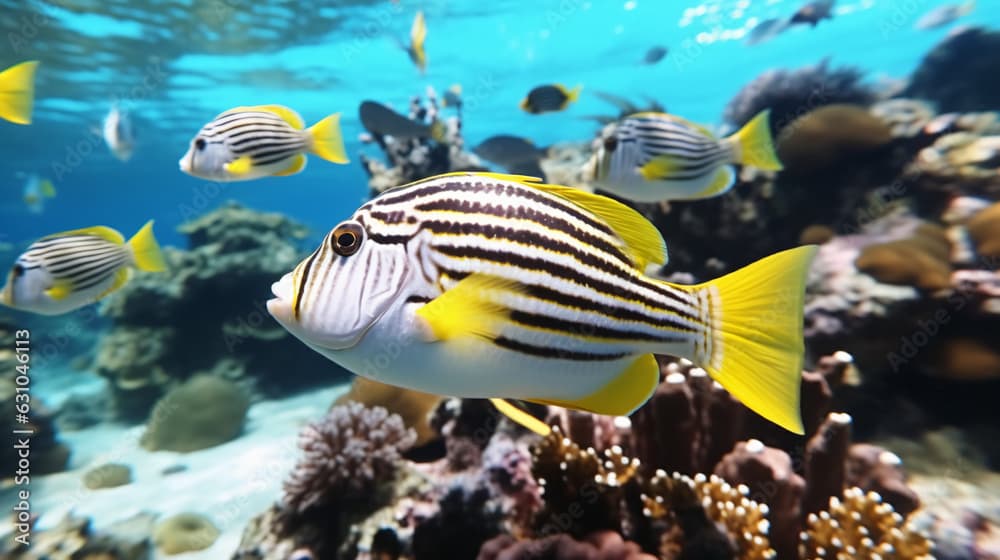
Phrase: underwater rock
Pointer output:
(73, 538)
(414, 407)
(207, 314)
(81, 411)
(203, 412)
(185, 532)
(412, 159)
(860, 525)
(961, 73)
(108, 475)
(790, 94)
(463, 522)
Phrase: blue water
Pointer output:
(496, 50)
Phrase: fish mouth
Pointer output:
(280, 306)
(314, 333)
(185, 164)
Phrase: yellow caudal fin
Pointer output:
(47, 188)
(521, 417)
(753, 144)
(627, 391)
(571, 94)
(468, 309)
(17, 92)
(146, 251)
(327, 142)
(754, 346)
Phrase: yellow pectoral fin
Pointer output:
(521, 417)
(629, 390)
(298, 164)
(241, 166)
(468, 309)
(660, 168)
(60, 290)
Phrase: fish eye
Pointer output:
(610, 143)
(199, 144)
(17, 271)
(346, 239)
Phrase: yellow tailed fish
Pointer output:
(418, 34)
(650, 157)
(68, 270)
(247, 143)
(497, 286)
(17, 92)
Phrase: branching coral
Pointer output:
(861, 526)
(346, 455)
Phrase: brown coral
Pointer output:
(984, 229)
(861, 526)
(696, 508)
(922, 260)
(830, 135)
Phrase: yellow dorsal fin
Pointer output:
(629, 390)
(60, 290)
(17, 92)
(286, 114)
(642, 240)
(673, 118)
(103, 232)
(521, 417)
(468, 309)
(298, 164)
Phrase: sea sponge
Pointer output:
(695, 509)
(984, 229)
(414, 407)
(185, 532)
(830, 135)
(921, 260)
(346, 455)
(790, 94)
(108, 475)
(862, 526)
(203, 412)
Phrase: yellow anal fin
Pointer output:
(629, 390)
(17, 92)
(103, 232)
(297, 165)
(521, 417)
(724, 180)
(60, 290)
(286, 114)
(468, 309)
(241, 166)
(121, 277)
(660, 168)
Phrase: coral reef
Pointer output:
(602, 545)
(790, 94)
(73, 538)
(185, 532)
(960, 73)
(202, 412)
(411, 159)
(108, 475)
(414, 407)
(207, 314)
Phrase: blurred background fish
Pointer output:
(550, 98)
(17, 92)
(943, 15)
(119, 136)
(418, 35)
(36, 191)
(814, 12)
(383, 121)
(655, 54)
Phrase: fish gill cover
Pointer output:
(199, 400)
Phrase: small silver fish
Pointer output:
(68, 270)
(943, 15)
(118, 133)
(247, 143)
(496, 286)
(652, 157)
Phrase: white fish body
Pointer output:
(483, 285)
(118, 133)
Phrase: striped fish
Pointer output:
(247, 143)
(497, 286)
(548, 98)
(68, 270)
(649, 157)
